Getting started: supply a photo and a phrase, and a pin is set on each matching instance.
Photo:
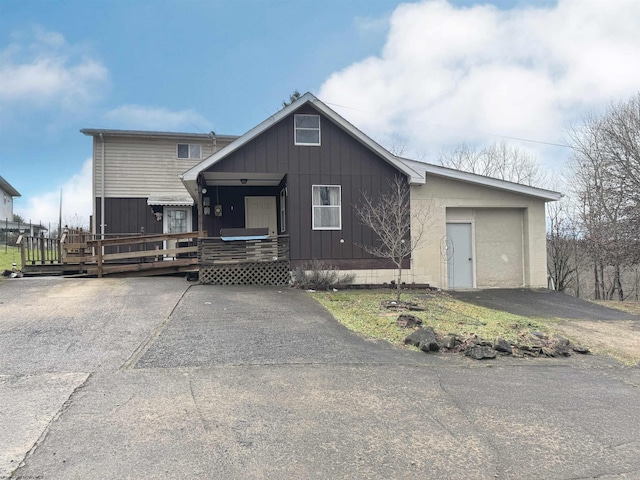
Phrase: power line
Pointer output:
(477, 132)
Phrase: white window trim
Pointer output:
(313, 209)
(283, 210)
(189, 157)
(295, 130)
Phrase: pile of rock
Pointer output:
(533, 344)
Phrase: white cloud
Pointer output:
(447, 73)
(138, 117)
(42, 69)
(76, 202)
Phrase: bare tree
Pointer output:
(400, 228)
(562, 248)
(606, 156)
(498, 160)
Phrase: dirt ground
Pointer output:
(606, 328)
(620, 339)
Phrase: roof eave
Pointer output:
(547, 195)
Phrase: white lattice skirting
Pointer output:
(258, 273)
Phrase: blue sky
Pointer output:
(419, 73)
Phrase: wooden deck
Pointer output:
(259, 261)
(83, 254)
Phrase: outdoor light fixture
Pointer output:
(243, 181)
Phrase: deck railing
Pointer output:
(215, 251)
(39, 250)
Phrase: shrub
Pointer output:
(319, 276)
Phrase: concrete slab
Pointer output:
(28, 405)
(345, 421)
(237, 325)
(80, 325)
(263, 383)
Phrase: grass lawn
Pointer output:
(9, 255)
(365, 312)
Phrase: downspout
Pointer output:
(102, 190)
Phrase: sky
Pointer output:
(423, 75)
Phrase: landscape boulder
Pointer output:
(479, 352)
(502, 346)
(423, 338)
(449, 341)
(408, 321)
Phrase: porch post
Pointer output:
(200, 212)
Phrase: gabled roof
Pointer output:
(190, 177)
(430, 169)
(6, 186)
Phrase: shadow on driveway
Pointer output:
(541, 303)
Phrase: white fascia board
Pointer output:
(429, 168)
(189, 178)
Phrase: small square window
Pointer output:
(306, 129)
(189, 150)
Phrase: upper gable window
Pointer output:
(306, 129)
(189, 150)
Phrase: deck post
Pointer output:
(23, 254)
(200, 212)
(82, 248)
(42, 250)
(99, 258)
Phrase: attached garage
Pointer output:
(483, 233)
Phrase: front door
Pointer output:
(260, 212)
(460, 264)
(176, 220)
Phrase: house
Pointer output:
(136, 179)
(298, 175)
(7, 192)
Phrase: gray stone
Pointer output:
(408, 321)
(580, 349)
(417, 336)
(429, 343)
(449, 341)
(479, 352)
(501, 345)
(558, 340)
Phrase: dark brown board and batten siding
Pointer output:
(340, 160)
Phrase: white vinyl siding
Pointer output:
(306, 129)
(139, 167)
(327, 207)
(6, 206)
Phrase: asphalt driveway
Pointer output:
(148, 378)
(541, 303)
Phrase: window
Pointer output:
(188, 150)
(327, 213)
(306, 129)
(283, 210)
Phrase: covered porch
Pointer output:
(242, 218)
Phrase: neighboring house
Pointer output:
(7, 192)
(300, 173)
(141, 188)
